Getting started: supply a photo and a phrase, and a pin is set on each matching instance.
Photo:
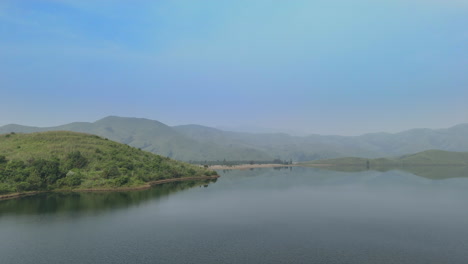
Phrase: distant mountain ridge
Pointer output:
(431, 164)
(199, 143)
(424, 158)
(149, 135)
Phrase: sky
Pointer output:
(304, 67)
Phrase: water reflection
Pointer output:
(429, 172)
(297, 215)
(91, 202)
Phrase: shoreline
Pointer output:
(146, 186)
(317, 165)
(249, 166)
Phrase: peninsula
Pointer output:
(71, 161)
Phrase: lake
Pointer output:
(294, 215)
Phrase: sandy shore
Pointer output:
(248, 166)
(143, 187)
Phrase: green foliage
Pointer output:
(35, 182)
(110, 172)
(121, 181)
(72, 179)
(54, 160)
(5, 188)
(47, 170)
(75, 160)
(200, 143)
(22, 186)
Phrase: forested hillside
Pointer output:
(200, 143)
(71, 160)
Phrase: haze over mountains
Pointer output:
(199, 143)
(424, 158)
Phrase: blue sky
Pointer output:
(328, 67)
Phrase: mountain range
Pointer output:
(424, 158)
(200, 143)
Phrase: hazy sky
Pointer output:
(312, 66)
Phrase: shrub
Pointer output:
(75, 160)
(74, 180)
(5, 188)
(122, 180)
(47, 170)
(35, 182)
(22, 186)
(110, 172)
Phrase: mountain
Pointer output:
(152, 136)
(424, 158)
(69, 160)
(199, 143)
(315, 147)
(431, 164)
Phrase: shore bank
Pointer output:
(249, 166)
(316, 165)
(119, 189)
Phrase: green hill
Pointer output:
(71, 160)
(153, 136)
(425, 158)
(199, 143)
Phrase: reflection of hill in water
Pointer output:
(439, 172)
(252, 172)
(429, 172)
(92, 202)
(265, 179)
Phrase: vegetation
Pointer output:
(194, 142)
(151, 136)
(69, 160)
(425, 158)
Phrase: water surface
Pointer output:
(297, 215)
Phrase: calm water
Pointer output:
(302, 215)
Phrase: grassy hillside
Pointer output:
(425, 158)
(199, 143)
(152, 136)
(70, 160)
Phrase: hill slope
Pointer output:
(152, 136)
(199, 143)
(59, 159)
(315, 147)
(425, 158)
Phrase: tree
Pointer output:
(111, 172)
(48, 170)
(75, 160)
(73, 178)
(22, 186)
